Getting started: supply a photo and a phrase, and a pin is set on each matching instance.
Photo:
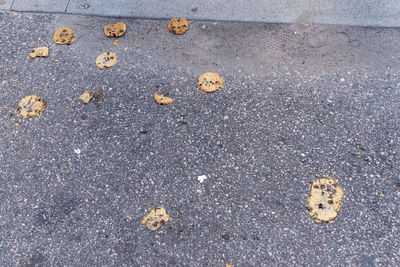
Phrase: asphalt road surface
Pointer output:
(300, 101)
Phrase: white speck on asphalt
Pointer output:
(77, 151)
(201, 178)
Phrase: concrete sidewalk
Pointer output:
(384, 13)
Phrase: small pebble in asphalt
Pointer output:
(201, 178)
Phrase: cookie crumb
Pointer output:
(163, 99)
(86, 97)
(155, 218)
(39, 52)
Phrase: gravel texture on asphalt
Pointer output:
(299, 101)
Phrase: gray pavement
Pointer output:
(299, 100)
(344, 12)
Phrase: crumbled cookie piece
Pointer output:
(86, 97)
(210, 82)
(99, 95)
(106, 60)
(324, 200)
(178, 26)
(31, 105)
(155, 219)
(115, 30)
(163, 99)
(64, 36)
(39, 52)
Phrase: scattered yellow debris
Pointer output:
(116, 42)
(155, 219)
